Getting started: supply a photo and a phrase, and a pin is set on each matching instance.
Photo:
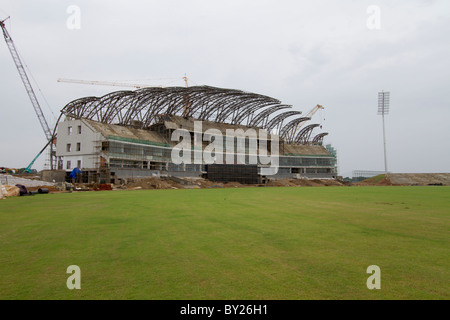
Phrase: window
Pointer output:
(79, 129)
(69, 130)
(79, 146)
(79, 164)
(105, 146)
(68, 165)
(69, 147)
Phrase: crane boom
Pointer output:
(186, 107)
(105, 83)
(309, 115)
(34, 101)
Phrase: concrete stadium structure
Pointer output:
(129, 133)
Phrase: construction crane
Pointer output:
(26, 82)
(314, 110)
(308, 115)
(186, 103)
(115, 83)
(106, 83)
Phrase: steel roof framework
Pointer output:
(200, 102)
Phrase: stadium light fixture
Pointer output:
(383, 109)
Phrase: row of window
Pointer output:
(69, 164)
(161, 154)
(69, 147)
(69, 130)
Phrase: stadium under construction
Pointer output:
(130, 134)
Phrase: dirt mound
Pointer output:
(419, 179)
(153, 183)
(385, 182)
(233, 185)
(192, 183)
(280, 183)
(408, 179)
(304, 183)
(203, 183)
(329, 182)
(103, 187)
(379, 180)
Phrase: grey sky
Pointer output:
(301, 52)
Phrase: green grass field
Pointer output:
(248, 243)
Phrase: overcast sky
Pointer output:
(336, 53)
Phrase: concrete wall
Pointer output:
(88, 139)
(53, 176)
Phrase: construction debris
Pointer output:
(419, 179)
(164, 182)
(408, 179)
(7, 191)
(13, 180)
(22, 190)
(171, 182)
(199, 183)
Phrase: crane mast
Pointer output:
(51, 139)
(26, 81)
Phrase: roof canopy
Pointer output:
(200, 102)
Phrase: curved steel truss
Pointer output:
(303, 135)
(318, 139)
(200, 102)
(287, 132)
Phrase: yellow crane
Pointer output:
(314, 110)
(308, 115)
(187, 103)
(185, 80)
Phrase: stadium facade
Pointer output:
(130, 134)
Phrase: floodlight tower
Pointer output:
(383, 109)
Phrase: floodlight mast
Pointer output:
(383, 109)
